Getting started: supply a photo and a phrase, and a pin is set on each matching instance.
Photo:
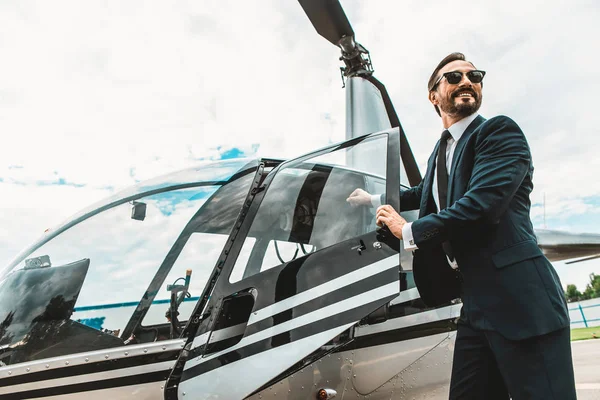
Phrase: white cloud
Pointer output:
(540, 65)
(577, 274)
(107, 93)
(27, 213)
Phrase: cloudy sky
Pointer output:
(99, 95)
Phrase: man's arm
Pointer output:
(502, 159)
(410, 199)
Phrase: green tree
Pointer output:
(592, 290)
(588, 293)
(572, 293)
(595, 284)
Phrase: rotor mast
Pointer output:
(368, 105)
(330, 21)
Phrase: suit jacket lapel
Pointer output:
(427, 193)
(458, 151)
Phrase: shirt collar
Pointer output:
(458, 128)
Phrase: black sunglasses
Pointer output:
(454, 77)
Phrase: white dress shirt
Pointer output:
(456, 131)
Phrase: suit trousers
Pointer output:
(488, 366)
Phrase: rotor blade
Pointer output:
(584, 259)
(559, 245)
(408, 159)
(328, 18)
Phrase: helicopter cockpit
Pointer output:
(131, 269)
(108, 266)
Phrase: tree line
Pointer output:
(592, 290)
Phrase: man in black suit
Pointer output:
(474, 239)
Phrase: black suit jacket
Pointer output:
(506, 284)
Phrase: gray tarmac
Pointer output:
(586, 362)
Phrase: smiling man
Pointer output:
(474, 240)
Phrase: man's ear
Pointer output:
(433, 98)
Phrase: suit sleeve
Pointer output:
(410, 199)
(501, 161)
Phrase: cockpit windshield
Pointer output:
(100, 279)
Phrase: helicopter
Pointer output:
(243, 278)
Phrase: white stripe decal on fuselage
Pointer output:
(356, 301)
(424, 317)
(406, 295)
(106, 355)
(227, 333)
(237, 380)
(327, 287)
(88, 378)
(200, 340)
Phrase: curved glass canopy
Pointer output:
(101, 279)
(204, 174)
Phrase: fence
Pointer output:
(585, 313)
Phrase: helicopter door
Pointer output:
(304, 267)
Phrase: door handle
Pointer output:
(359, 248)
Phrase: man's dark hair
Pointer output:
(447, 60)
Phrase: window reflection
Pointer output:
(200, 254)
(90, 285)
(305, 209)
(91, 278)
(124, 253)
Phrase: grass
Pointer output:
(585, 333)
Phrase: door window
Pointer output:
(305, 207)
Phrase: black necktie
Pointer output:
(442, 182)
(442, 172)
